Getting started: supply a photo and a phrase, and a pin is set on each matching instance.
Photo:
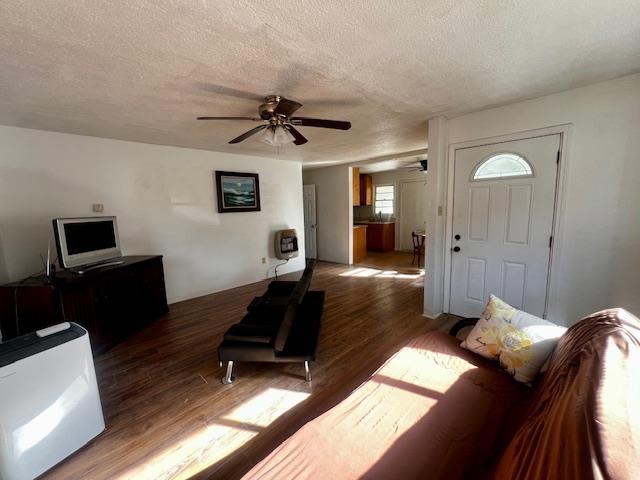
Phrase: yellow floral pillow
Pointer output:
(521, 342)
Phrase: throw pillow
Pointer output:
(521, 342)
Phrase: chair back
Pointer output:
(418, 241)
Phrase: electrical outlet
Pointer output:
(264, 260)
(98, 207)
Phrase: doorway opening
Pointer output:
(389, 211)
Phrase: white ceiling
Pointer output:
(143, 70)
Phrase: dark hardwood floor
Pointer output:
(167, 414)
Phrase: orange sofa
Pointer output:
(435, 410)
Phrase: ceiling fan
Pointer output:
(278, 126)
(422, 167)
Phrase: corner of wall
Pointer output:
(436, 214)
(4, 274)
(350, 210)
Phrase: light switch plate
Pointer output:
(98, 207)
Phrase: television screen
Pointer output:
(88, 240)
(89, 236)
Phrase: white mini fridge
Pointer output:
(49, 401)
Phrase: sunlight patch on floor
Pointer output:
(221, 437)
(365, 272)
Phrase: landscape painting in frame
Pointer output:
(237, 192)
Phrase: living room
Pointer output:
(191, 131)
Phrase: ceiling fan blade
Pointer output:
(286, 107)
(246, 135)
(230, 118)
(317, 122)
(299, 138)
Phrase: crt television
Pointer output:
(83, 241)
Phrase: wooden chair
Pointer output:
(418, 246)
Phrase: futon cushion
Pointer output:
(584, 421)
(432, 411)
(249, 333)
(521, 342)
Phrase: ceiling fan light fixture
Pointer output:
(276, 135)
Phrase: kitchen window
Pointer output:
(384, 199)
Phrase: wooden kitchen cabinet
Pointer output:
(366, 189)
(359, 243)
(381, 237)
(356, 187)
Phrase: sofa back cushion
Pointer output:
(291, 312)
(584, 420)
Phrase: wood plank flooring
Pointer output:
(169, 417)
(396, 260)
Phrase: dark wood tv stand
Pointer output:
(111, 302)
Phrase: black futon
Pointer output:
(282, 325)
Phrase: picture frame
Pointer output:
(237, 191)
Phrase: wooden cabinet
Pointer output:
(356, 187)
(366, 189)
(381, 237)
(359, 243)
(111, 302)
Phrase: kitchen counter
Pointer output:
(372, 222)
(359, 242)
(380, 235)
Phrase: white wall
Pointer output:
(164, 198)
(334, 213)
(600, 250)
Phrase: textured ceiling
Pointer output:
(143, 70)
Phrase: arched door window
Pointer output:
(500, 165)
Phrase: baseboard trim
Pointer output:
(431, 316)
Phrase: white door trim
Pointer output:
(565, 132)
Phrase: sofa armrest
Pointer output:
(460, 324)
(249, 333)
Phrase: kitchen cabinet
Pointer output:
(366, 189)
(381, 237)
(359, 243)
(356, 187)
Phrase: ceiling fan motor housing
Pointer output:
(267, 109)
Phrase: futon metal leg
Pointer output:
(307, 372)
(228, 378)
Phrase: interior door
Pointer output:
(503, 206)
(413, 199)
(309, 200)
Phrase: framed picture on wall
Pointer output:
(237, 192)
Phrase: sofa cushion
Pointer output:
(520, 341)
(433, 410)
(584, 421)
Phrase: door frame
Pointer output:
(553, 277)
(304, 226)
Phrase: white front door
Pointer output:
(309, 200)
(503, 206)
(413, 200)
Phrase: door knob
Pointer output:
(456, 249)
(457, 237)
